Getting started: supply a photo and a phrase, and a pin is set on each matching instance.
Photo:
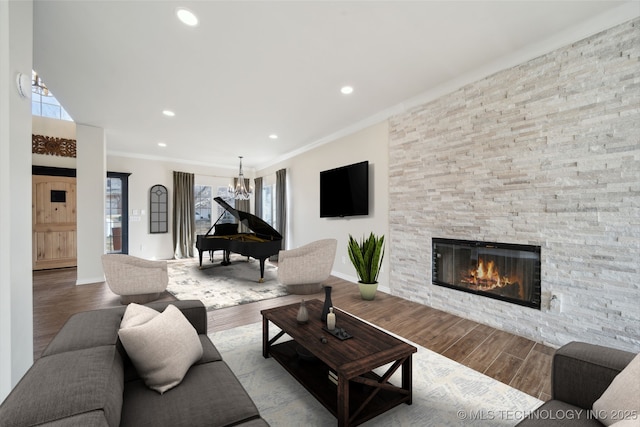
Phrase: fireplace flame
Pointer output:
(486, 276)
(488, 273)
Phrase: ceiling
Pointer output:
(255, 68)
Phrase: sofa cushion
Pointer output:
(621, 400)
(163, 348)
(85, 330)
(209, 395)
(90, 419)
(209, 351)
(68, 384)
(259, 422)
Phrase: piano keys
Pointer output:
(262, 242)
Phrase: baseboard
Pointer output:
(90, 281)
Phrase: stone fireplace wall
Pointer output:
(545, 153)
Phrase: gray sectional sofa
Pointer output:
(85, 378)
(580, 374)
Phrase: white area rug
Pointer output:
(445, 393)
(219, 286)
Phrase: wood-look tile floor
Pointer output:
(513, 360)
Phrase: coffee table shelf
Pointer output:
(314, 376)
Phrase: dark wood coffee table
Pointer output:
(359, 394)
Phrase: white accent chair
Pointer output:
(135, 279)
(302, 270)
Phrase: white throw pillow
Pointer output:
(628, 423)
(137, 314)
(163, 348)
(621, 400)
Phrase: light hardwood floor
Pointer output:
(519, 362)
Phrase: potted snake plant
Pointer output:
(366, 256)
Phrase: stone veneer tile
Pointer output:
(544, 153)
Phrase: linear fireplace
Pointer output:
(502, 271)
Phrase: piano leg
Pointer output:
(261, 270)
(200, 256)
(226, 257)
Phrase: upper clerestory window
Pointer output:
(43, 103)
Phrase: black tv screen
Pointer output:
(344, 191)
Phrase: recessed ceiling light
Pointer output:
(187, 17)
(168, 113)
(162, 144)
(346, 90)
(273, 136)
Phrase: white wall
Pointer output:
(146, 173)
(90, 193)
(16, 307)
(303, 176)
(53, 127)
(56, 128)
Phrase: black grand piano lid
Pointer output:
(255, 224)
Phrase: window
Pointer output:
(116, 213)
(207, 211)
(158, 209)
(47, 105)
(203, 200)
(269, 204)
(225, 216)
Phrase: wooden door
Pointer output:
(54, 222)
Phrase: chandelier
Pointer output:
(38, 86)
(240, 192)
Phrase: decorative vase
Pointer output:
(303, 314)
(327, 303)
(368, 290)
(331, 320)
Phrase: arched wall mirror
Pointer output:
(158, 209)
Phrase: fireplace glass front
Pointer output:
(502, 271)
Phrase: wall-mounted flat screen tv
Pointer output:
(344, 191)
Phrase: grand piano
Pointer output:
(261, 243)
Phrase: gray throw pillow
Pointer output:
(162, 348)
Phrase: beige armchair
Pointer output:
(304, 269)
(135, 279)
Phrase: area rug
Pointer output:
(219, 286)
(445, 393)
